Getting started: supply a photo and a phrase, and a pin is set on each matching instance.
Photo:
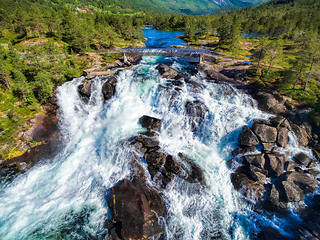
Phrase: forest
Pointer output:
(45, 43)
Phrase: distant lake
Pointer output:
(162, 39)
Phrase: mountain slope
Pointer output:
(192, 7)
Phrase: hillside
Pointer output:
(191, 7)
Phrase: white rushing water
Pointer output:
(64, 197)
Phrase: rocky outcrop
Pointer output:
(167, 72)
(135, 206)
(135, 209)
(252, 170)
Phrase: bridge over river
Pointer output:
(193, 53)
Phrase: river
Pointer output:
(65, 197)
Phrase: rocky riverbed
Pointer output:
(262, 170)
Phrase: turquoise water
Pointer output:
(162, 39)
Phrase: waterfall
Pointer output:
(64, 197)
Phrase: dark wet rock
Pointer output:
(166, 177)
(257, 174)
(107, 91)
(282, 138)
(271, 234)
(109, 88)
(196, 110)
(244, 150)
(155, 159)
(303, 158)
(172, 165)
(151, 123)
(141, 150)
(212, 74)
(85, 90)
(302, 134)
(265, 133)
(304, 181)
(277, 199)
(148, 142)
(246, 186)
(135, 209)
(290, 166)
(275, 164)
(166, 71)
(257, 160)
(196, 174)
(247, 138)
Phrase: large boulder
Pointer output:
(148, 142)
(268, 103)
(282, 138)
(304, 181)
(246, 186)
(265, 133)
(196, 110)
(247, 138)
(275, 164)
(166, 71)
(196, 175)
(109, 88)
(302, 134)
(257, 160)
(86, 89)
(135, 209)
(151, 123)
(155, 159)
(303, 158)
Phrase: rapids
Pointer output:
(65, 197)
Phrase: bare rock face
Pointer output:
(265, 133)
(247, 138)
(282, 138)
(275, 164)
(166, 71)
(135, 209)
